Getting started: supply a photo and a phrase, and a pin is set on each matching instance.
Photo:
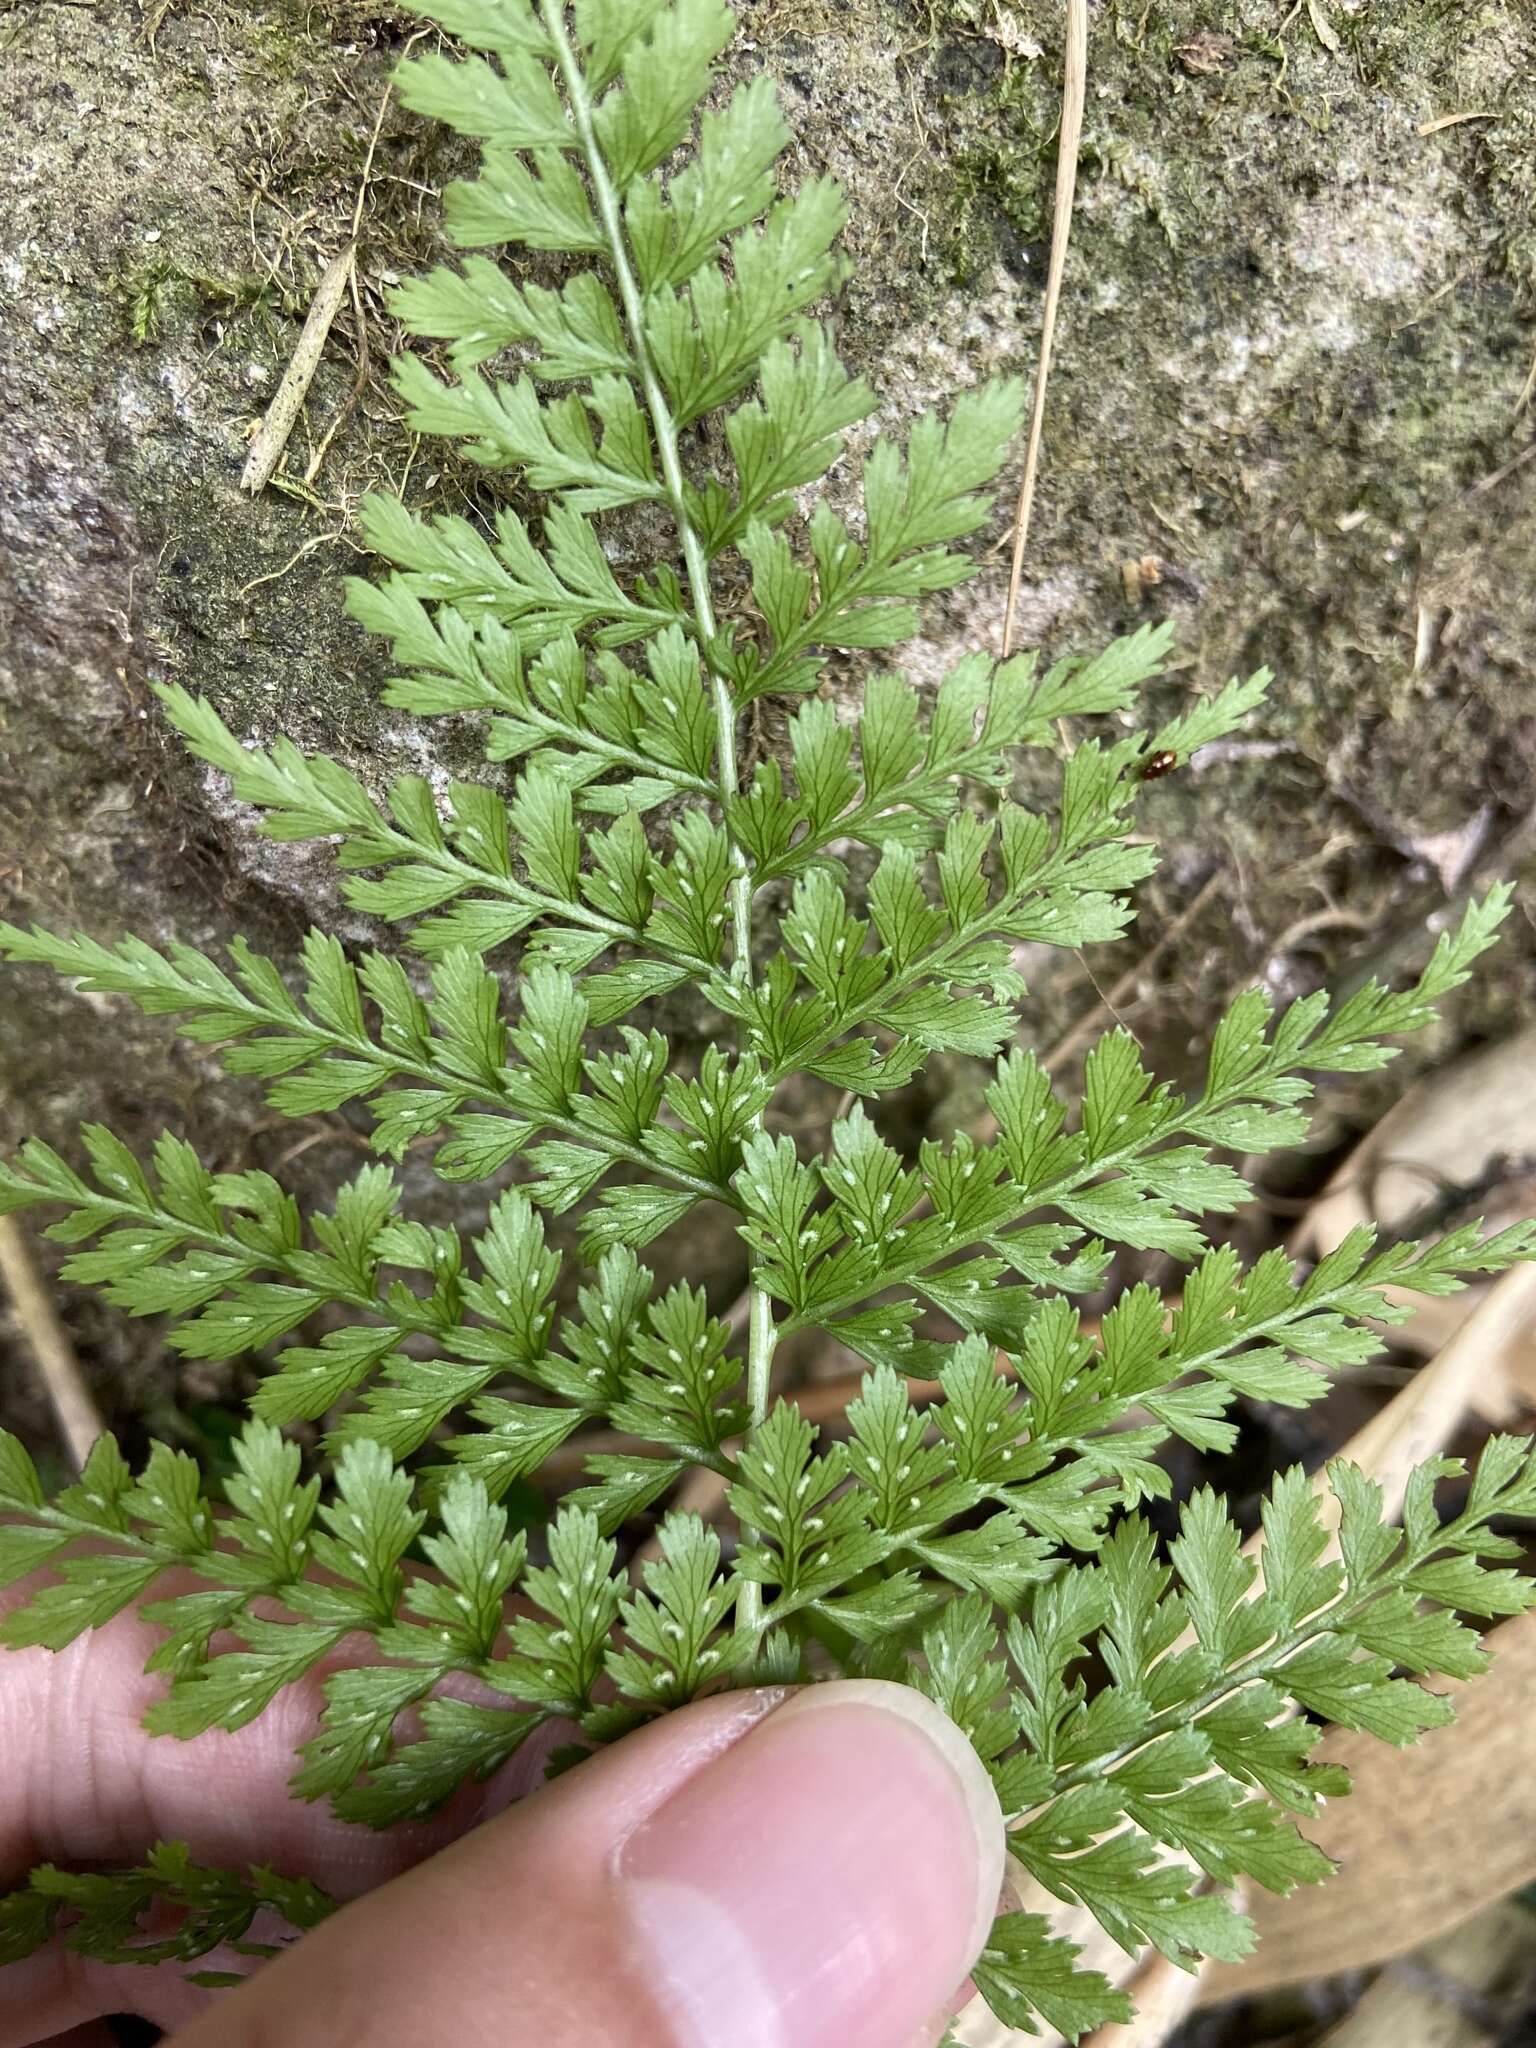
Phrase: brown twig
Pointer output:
(77, 1415)
(364, 358)
(1073, 89)
(359, 382)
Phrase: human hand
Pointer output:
(760, 1870)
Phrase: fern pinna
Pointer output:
(847, 912)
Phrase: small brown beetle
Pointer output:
(1161, 763)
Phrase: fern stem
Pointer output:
(761, 1330)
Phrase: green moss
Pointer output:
(163, 289)
(1504, 165)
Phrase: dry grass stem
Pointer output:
(77, 1415)
(271, 437)
(1073, 89)
(1455, 120)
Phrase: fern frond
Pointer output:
(848, 908)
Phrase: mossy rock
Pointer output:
(1297, 323)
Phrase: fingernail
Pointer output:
(829, 1880)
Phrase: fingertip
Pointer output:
(810, 1872)
(976, 1791)
(829, 1880)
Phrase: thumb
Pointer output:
(756, 1871)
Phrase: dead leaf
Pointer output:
(75, 1411)
(1163, 1994)
(1461, 1144)
(1445, 1995)
(1423, 1418)
(1323, 28)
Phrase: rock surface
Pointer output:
(1285, 412)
